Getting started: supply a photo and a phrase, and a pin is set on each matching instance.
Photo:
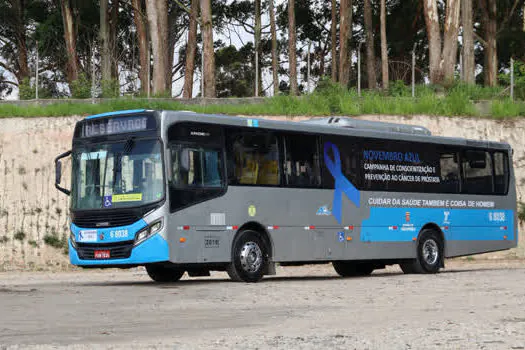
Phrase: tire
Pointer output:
(429, 254)
(163, 274)
(249, 258)
(352, 269)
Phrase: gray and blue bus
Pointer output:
(180, 192)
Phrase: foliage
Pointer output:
(235, 73)
(54, 240)
(81, 88)
(521, 211)
(110, 88)
(25, 90)
(327, 99)
(20, 235)
(519, 80)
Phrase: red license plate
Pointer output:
(101, 254)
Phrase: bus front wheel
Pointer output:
(162, 273)
(429, 257)
(249, 258)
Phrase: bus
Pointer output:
(181, 192)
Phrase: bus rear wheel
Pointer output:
(249, 258)
(162, 273)
(352, 269)
(429, 254)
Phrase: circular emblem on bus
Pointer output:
(251, 210)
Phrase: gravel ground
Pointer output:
(470, 305)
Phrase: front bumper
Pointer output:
(154, 249)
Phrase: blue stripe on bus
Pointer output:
(154, 249)
(109, 114)
(403, 224)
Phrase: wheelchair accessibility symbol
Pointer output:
(341, 236)
(107, 202)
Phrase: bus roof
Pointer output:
(358, 128)
(110, 114)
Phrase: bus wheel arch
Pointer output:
(430, 251)
(263, 234)
(251, 252)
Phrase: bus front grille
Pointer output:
(104, 219)
(120, 250)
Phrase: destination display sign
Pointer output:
(116, 125)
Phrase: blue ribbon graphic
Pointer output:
(342, 185)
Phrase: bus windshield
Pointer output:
(117, 175)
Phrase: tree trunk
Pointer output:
(450, 40)
(489, 16)
(173, 16)
(345, 29)
(157, 12)
(468, 42)
(434, 40)
(257, 41)
(191, 48)
(209, 54)
(143, 43)
(384, 52)
(292, 48)
(70, 37)
(113, 41)
(105, 59)
(370, 54)
(275, 62)
(23, 67)
(334, 40)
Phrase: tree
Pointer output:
(105, 56)
(370, 54)
(489, 23)
(139, 17)
(209, 55)
(70, 37)
(467, 66)
(235, 76)
(292, 47)
(384, 50)
(275, 61)
(345, 29)
(258, 47)
(157, 12)
(191, 49)
(333, 32)
(442, 61)
(13, 40)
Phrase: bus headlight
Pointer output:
(72, 240)
(146, 232)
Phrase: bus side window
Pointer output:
(301, 166)
(501, 173)
(449, 172)
(477, 172)
(253, 158)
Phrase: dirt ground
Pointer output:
(470, 305)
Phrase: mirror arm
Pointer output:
(57, 162)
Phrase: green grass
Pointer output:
(328, 100)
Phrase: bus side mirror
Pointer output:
(58, 172)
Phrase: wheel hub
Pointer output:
(251, 257)
(430, 252)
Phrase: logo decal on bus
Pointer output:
(342, 185)
(324, 211)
